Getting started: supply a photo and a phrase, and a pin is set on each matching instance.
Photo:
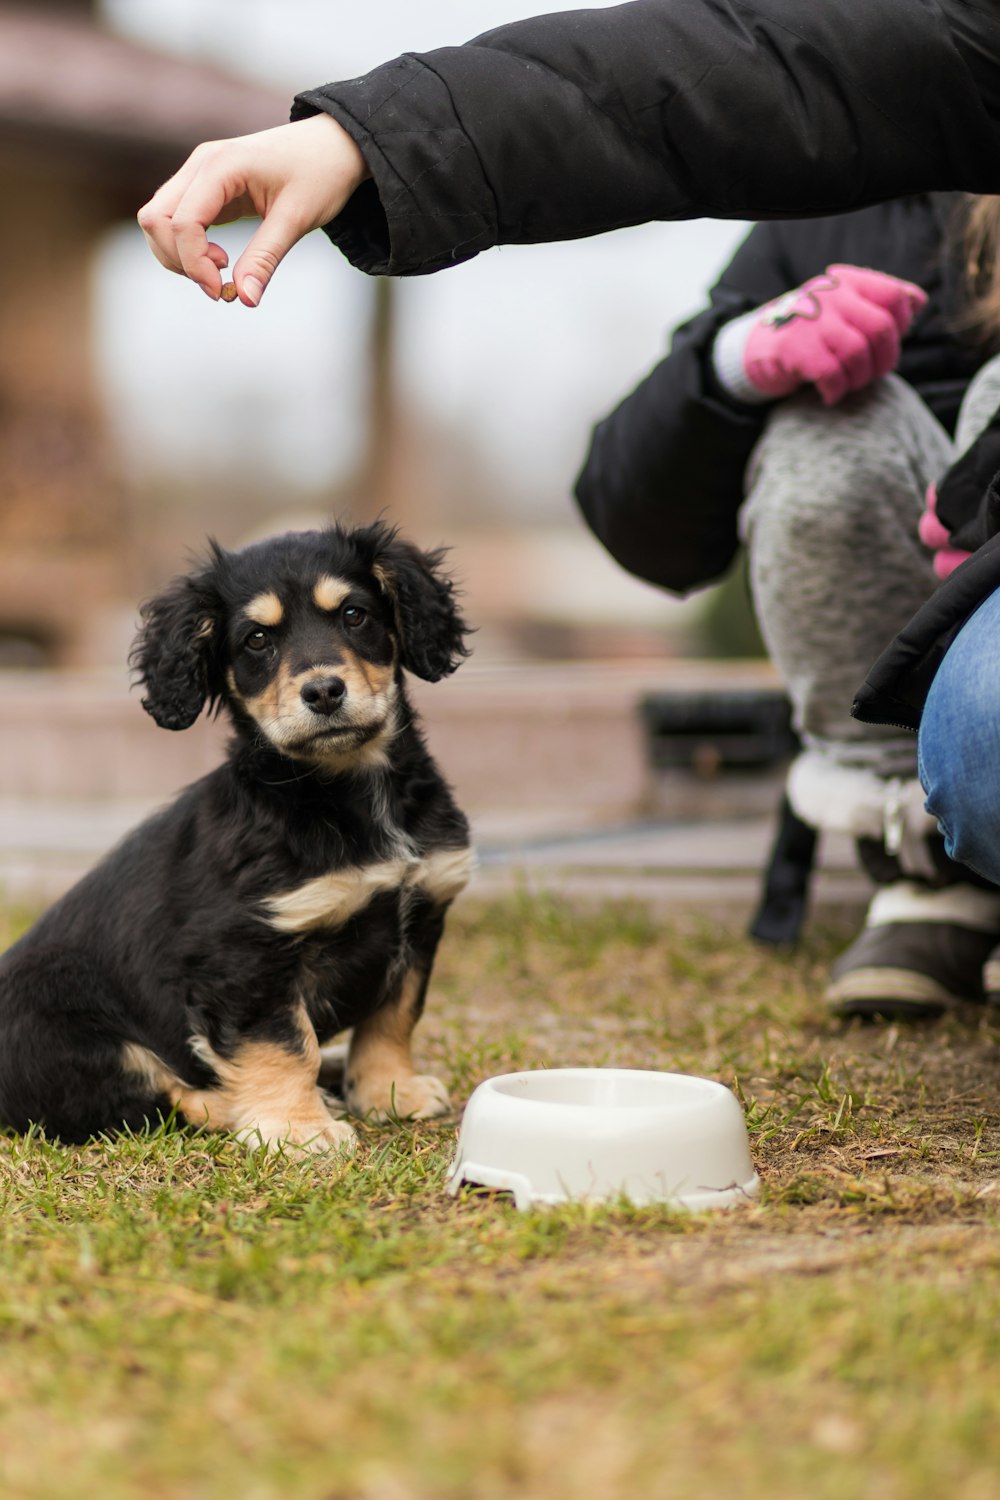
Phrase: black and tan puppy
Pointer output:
(297, 891)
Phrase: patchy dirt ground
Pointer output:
(881, 1119)
(180, 1319)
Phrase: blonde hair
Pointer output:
(981, 249)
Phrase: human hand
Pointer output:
(294, 178)
(839, 332)
(935, 535)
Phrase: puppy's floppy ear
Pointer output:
(429, 624)
(177, 653)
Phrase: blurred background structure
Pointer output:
(88, 121)
(458, 404)
(136, 416)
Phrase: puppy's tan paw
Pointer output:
(316, 1133)
(418, 1097)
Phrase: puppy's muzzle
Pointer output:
(324, 695)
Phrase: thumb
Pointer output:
(277, 233)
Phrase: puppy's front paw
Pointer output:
(417, 1097)
(319, 1132)
(333, 1135)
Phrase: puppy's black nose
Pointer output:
(324, 695)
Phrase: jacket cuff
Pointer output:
(427, 205)
(727, 360)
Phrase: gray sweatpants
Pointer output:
(834, 495)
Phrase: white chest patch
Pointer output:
(331, 900)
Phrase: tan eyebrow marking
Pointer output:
(265, 609)
(330, 592)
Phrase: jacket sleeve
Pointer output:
(896, 688)
(968, 498)
(663, 480)
(579, 122)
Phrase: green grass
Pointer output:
(182, 1318)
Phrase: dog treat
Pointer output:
(229, 292)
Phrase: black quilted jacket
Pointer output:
(572, 124)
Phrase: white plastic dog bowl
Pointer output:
(566, 1134)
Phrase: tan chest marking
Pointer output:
(331, 900)
(443, 873)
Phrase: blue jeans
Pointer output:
(959, 743)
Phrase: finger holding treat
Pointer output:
(294, 178)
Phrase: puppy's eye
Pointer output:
(257, 640)
(353, 616)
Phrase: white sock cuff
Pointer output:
(852, 800)
(960, 905)
(727, 360)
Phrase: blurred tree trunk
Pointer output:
(64, 533)
(384, 484)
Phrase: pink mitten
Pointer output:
(839, 332)
(936, 536)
